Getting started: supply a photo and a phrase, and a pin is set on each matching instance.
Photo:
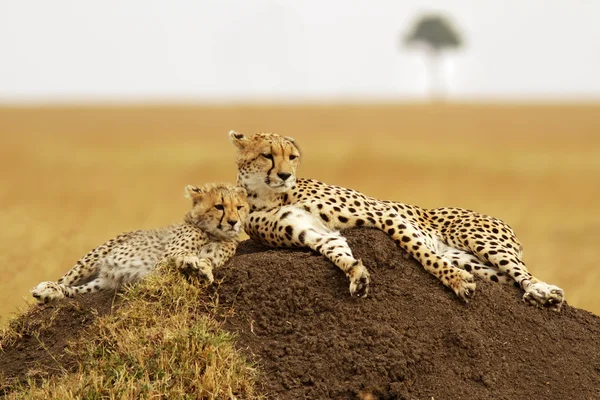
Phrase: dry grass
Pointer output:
(74, 177)
(162, 343)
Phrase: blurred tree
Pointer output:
(435, 33)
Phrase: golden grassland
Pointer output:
(74, 177)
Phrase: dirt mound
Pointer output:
(410, 339)
(42, 336)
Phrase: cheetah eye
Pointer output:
(267, 156)
(219, 206)
(293, 157)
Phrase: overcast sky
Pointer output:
(206, 50)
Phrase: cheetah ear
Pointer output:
(238, 139)
(192, 192)
(241, 191)
(291, 139)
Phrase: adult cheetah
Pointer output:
(206, 239)
(450, 243)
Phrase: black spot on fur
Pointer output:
(302, 236)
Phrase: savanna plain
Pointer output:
(73, 177)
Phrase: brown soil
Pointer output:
(410, 339)
(45, 334)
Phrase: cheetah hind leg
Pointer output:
(467, 261)
(537, 293)
(544, 295)
(49, 291)
(93, 286)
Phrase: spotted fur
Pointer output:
(206, 239)
(450, 243)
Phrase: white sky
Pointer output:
(207, 50)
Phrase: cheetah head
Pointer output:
(219, 209)
(266, 161)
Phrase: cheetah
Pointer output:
(206, 239)
(450, 243)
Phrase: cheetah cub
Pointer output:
(206, 239)
(450, 243)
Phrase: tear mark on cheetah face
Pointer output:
(218, 209)
(266, 161)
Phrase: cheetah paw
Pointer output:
(194, 266)
(544, 295)
(463, 285)
(47, 291)
(359, 280)
(206, 274)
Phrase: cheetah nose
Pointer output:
(232, 222)
(284, 175)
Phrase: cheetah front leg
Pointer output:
(333, 245)
(295, 227)
(184, 251)
(192, 265)
(213, 255)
